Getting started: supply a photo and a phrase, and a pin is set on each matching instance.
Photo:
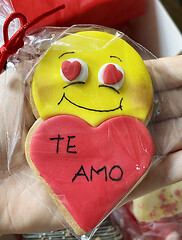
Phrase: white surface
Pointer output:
(156, 31)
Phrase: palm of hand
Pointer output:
(25, 204)
(166, 126)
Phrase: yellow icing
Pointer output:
(95, 49)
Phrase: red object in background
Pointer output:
(158, 230)
(18, 237)
(12, 45)
(103, 12)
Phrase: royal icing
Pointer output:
(74, 70)
(111, 74)
(115, 80)
(90, 169)
(93, 91)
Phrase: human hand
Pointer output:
(166, 127)
(25, 204)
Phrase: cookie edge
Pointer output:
(66, 214)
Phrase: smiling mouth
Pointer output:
(90, 109)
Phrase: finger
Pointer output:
(12, 116)
(166, 172)
(11, 100)
(167, 105)
(167, 136)
(166, 73)
(20, 193)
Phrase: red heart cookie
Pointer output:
(71, 70)
(90, 169)
(111, 74)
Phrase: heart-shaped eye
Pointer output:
(111, 74)
(73, 70)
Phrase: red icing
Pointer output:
(71, 70)
(112, 75)
(162, 197)
(169, 207)
(121, 141)
(177, 192)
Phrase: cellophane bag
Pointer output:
(155, 216)
(79, 107)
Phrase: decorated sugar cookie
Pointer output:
(93, 96)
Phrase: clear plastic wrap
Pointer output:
(6, 8)
(21, 106)
(155, 216)
(108, 230)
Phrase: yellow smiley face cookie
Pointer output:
(94, 76)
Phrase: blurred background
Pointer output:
(174, 8)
